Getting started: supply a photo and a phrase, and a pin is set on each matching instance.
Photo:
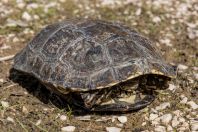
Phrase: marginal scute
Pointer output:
(46, 71)
(76, 83)
(127, 70)
(103, 79)
(36, 65)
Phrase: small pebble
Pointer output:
(177, 113)
(160, 129)
(144, 123)
(184, 100)
(172, 87)
(113, 129)
(24, 110)
(26, 16)
(156, 19)
(138, 12)
(68, 129)
(1, 80)
(10, 119)
(163, 106)
(181, 129)
(153, 116)
(38, 122)
(169, 128)
(196, 76)
(175, 122)
(166, 118)
(194, 126)
(181, 119)
(5, 104)
(63, 118)
(120, 125)
(193, 105)
(182, 67)
(122, 119)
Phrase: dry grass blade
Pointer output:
(42, 129)
(9, 86)
(21, 124)
(5, 58)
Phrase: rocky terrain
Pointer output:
(25, 105)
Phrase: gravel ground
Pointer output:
(171, 24)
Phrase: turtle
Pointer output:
(96, 65)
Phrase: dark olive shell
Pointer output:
(89, 54)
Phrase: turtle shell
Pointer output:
(81, 55)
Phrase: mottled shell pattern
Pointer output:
(81, 55)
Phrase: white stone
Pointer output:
(83, 118)
(113, 118)
(184, 100)
(156, 19)
(182, 67)
(120, 125)
(166, 118)
(144, 123)
(38, 122)
(160, 129)
(193, 105)
(156, 122)
(62, 1)
(5, 46)
(15, 39)
(26, 16)
(122, 119)
(68, 129)
(177, 113)
(169, 128)
(153, 116)
(32, 6)
(163, 106)
(194, 126)
(1, 80)
(113, 129)
(36, 17)
(185, 124)
(181, 129)
(181, 119)
(63, 118)
(175, 122)
(196, 76)
(24, 110)
(5, 104)
(166, 41)
(10, 119)
(154, 110)
(172, 87)
(21, 5)
(138, 12)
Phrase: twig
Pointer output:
(5, 58)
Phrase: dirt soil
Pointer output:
(26, 105)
